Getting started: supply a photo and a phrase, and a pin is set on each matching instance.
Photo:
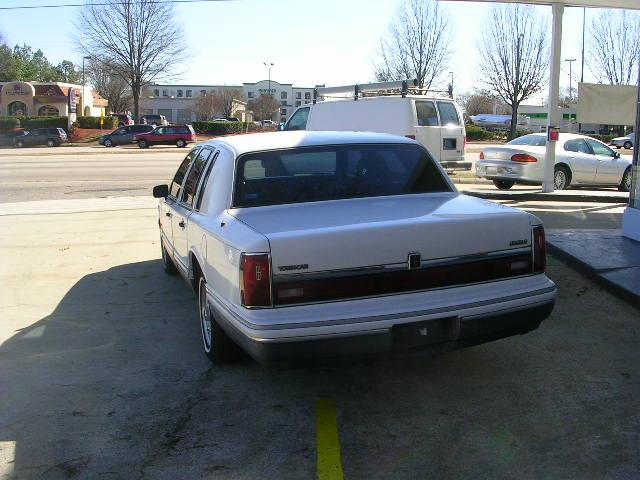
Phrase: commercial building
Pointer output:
(176, 102)
(49, 99)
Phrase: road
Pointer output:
(84, 172)
(102, 376)
(94, 171)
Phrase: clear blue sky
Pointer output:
(332, 42)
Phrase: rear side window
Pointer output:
(176, 184)
(426, 113)
(448, 114)
(577, 145)
(191, 185)
(311, 174)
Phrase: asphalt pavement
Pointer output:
(103, 376)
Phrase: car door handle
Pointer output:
(168, 214)
(181, 224)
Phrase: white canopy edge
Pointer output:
(629, 4)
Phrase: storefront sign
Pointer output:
(72, 100)
(266, 91)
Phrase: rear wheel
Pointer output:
(167, 263)
(142, 144)
(216, 343)
(180, 143)
(625, 185)
(561, 178)
(503, 184)
(628, 145)
(51, 143)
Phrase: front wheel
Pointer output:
(561, 178)
(625, 185)
(180, 143)
(108, 143)
(142, 144)
(51, 143)
(19, 144)
(216, 343)
(503, 184)
(628, 145)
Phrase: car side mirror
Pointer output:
(616, 154)
(161, 191)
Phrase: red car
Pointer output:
(179, 135)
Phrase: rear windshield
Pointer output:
(312, 174)
(531, 140)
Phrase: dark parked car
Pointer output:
(8, 137)
(51, 137)
(179, 135)
(154, 120)
(124, 135)
(124, 119)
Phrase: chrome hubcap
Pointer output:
(560, 180)
(627, 182)
(205, 317)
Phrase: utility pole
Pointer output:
(83, 85)
(584, 14)
(570, 60)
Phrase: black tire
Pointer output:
(625, 184)
(503, 184)
(19, 144)
(561, 178)
(142, 144)
(108, 143)
(51, 143)
(180, 143)
(628, 145)
(217, 345)
(167, 263)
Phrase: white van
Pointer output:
(434, 122)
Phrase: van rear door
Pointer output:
(452, 135)
(428, 126)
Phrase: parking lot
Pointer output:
(103, 374)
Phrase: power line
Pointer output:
(101, 4)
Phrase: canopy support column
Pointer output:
(553, 117)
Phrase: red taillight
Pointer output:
(523, 158)
(481, 155)
(255, 280)
(539, 249)
(412, 137)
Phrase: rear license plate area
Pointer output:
(427, 332)
(492, 170)
(449, 143)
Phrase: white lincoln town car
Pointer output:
(321, 244)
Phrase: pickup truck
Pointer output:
(322, 244)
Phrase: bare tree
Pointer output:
(480, 101)
(514, 55)
(418, 44)
(614, 46)
(263, 106)
(206, 106)
(106, 80)
(140, 39)
(226, 101)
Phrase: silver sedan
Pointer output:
(626, 142)
(580, 160)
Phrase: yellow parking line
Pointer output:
(327, 442)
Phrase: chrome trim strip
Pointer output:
(394, 316)
(392, 267)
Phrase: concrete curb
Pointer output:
(594, 274)
(605, 197)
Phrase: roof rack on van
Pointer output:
(402, 87)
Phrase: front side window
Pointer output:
(176, 183)
(427, 114)
(577, 145)
(160, 131)
(448, 114)
(299, 120)
(193, 178)
(311, 174)
(120, 131)
(600, 149)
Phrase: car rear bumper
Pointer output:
(501, 170)
(425, 323)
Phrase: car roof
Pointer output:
(563, 136)
(256, 142)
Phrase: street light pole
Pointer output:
(570, 60)
(83, 83)
(269, 65)
(584, 14)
